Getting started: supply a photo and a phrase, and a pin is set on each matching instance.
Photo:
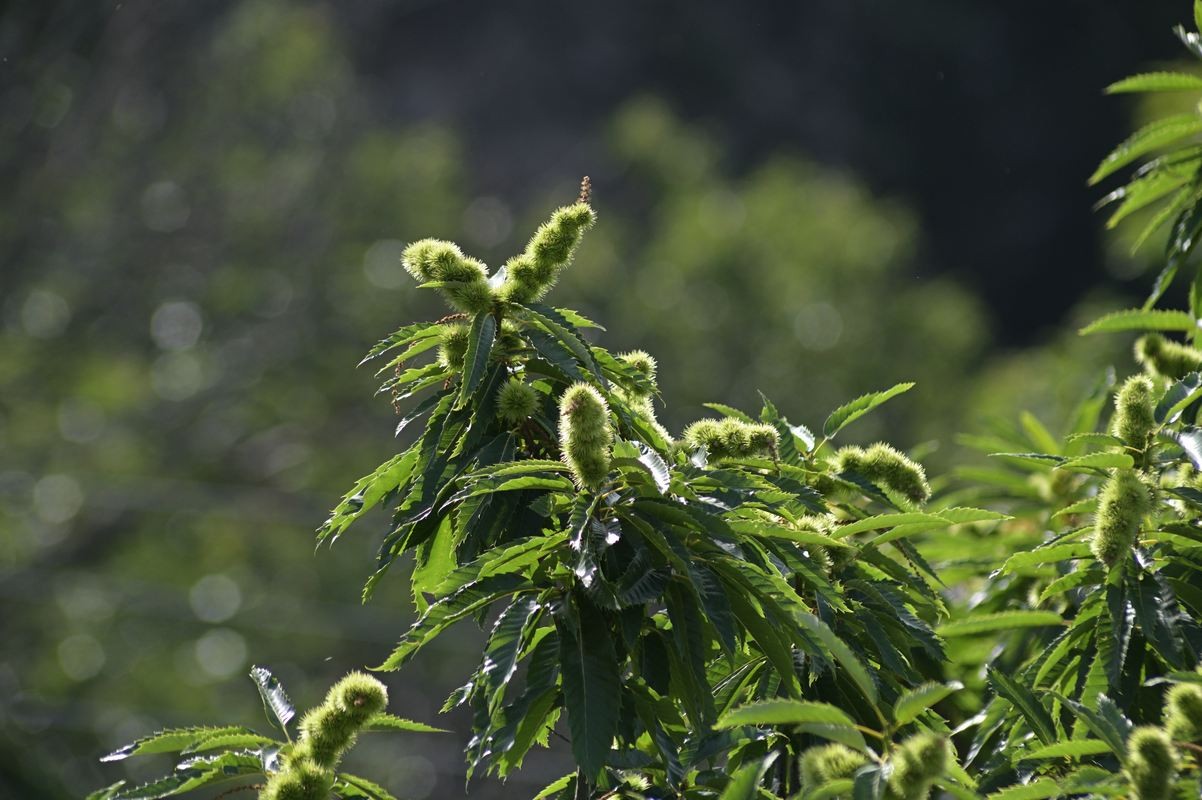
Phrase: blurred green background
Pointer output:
(202, 214)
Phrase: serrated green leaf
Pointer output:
(1045, 555)
(391, 722)
(831, 789)
(187, 778)
(556, 483)
(1152, 136)
(276, 704)
(729, 411)
(561, 329)
(555, 352)
(849, 412)
(913, 702)
(510, 558)
(367, 493)
(1180, 394)
(1091, 461)
(781, 711)
(889, 521)
(1027, 704)
(172, 740)
(1106, 722)
(1000, 621)
(1075, 748)
(354, 786)
(757, 528)
(403, 336)
(843, 654)
(1143, 192)
(557, 785)
(961, 515)
(745, 781)
(479, 346)
(656, 465)
(1181, 200)
(591, 685)
(107, 792)
(1183, 237)
(1140, 319)
(505, 642)
(508, 469)
(1036, 790)
(227, 741)
(446, 612)
(1086, 506)
(1190, 440)
(1156, 82)
(435, 559)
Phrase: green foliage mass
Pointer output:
(753, 611)
(194, 261)
(302, 769)
(1151, 763)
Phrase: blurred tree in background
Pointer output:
(191, 274)
(200, 235)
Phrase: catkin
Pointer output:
(1183, 713)
(585, 435)
(888, 468)
(301, 779)
(1165, 358)
(731, 438)
(1122, 504)
(330, 729)
(917, 763)
(1151, 763)
(516, 401)
(452, 345)
(644, 363)
(1134, 412)
(832, 762)
(530, 275)
(435, 260)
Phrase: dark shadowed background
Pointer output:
(202, 212)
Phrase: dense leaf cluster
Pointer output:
(746, 611)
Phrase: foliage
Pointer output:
(650, 585)
(196, 254)
(1104, 538)
(304, 768)
(745, 610)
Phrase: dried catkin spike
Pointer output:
(1122, 504)
(530, 275)
(1134, 412)
(1151, 763)
(585, 435)
(832, 762)
(1165, 358)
